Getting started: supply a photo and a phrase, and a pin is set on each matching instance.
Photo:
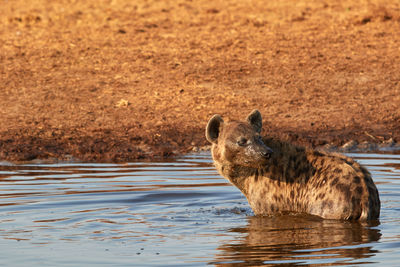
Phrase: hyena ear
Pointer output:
(213, 127)
(255, 120)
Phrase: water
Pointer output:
(176, 213)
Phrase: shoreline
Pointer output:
(156, 153)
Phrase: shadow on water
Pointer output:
(299, 240)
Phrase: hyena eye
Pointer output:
(242, 141)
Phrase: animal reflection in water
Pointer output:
(297, 238)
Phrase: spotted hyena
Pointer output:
(278, 177)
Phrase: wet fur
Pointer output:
(296, 179)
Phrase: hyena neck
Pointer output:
(289, 163)
(236, 174)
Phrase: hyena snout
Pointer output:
(262, 150)
(266, 153)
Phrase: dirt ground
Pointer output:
(117, 80)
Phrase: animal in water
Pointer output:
(280, 178)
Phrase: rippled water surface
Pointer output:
(177, 213)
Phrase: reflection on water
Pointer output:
(294, 239)
(177, 213)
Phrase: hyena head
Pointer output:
(238, 143)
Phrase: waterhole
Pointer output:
(176, 213)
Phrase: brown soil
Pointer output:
(117, 80)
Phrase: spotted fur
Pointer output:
(278, 177)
